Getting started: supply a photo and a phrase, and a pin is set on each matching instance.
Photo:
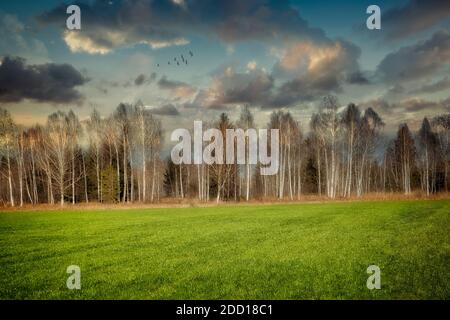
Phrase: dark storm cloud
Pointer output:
(416, 61)
(166, 110)
(165, 23)
(54, 83)
(414, 17)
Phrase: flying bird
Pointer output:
(175, 59)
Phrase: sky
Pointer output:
(223, 55)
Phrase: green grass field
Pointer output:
(295, 251)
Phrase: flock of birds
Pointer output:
(179, 62)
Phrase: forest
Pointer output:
(340, 153)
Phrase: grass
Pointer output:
(294, 251)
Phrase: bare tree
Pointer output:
(58, 141)
(327, 127)
(246, 121)
(427, 146)
(403, 157)
(74, 131)
(351, 121)
(95, 130)
(368, 137)
(8, 133)
(123, 115)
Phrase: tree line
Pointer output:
(119, 158)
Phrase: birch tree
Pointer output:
(8, 133)
(245, 122)
(427, 146)
(58, 141)
(351, 122)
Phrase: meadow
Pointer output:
(279, 251)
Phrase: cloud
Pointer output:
(15, 40)
(160, 24)
(143, 79)
(358, 77)
(408, 105)
(303, 57)
(380, 105)
(140, 80)
(204, 98)
(416, 61)
(93, 43)
(415, 16)
(166, 110)
(305, 71)
(313, 70)
(229, 87)
(177, 88)
(54, 83)
(413, 108)
(395, 92)
(437, 86)
(80, 42)
(394, 112)
(251, 65)
(418, 104)
(237, 20)
(107, 26)
(253, 86)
